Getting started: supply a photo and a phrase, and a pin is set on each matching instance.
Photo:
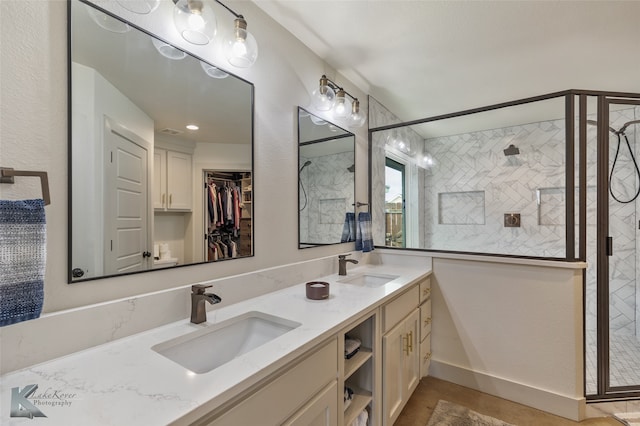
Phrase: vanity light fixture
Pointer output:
(195, 21)
(241, 47)
(192, 127)
(324, 96)
(328, 96)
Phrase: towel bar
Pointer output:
(7, 176)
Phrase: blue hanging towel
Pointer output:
(364, 234)
(22, 260)
(349, 228)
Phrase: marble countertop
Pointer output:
(125, 382)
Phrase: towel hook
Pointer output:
(7, 175)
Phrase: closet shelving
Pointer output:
(232, 233)
(358, 371)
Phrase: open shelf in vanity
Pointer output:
(358, 372)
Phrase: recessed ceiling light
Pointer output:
(192, 127)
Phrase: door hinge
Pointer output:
(111, 248)
(609, 246)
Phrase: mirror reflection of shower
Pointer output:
(307, 163)
(619, 133)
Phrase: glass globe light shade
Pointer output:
(212, 71)
(195, 22)
(142, 7)
(356, 119)
(241, 47)
(323, 97)
(107, 22)
(167, 50)
(317, 120)
(342, 107)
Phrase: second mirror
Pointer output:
(326, 182)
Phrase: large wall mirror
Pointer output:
(326, 182)
(161, 152)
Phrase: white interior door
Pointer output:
(127, 213)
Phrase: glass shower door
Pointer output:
(619, 313)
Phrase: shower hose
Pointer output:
(613, 167)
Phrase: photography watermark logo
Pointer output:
(21, 406)
(26, 402)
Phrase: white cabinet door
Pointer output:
(401, 366)
(159, 178)
(412, 359)
(172, 180)
(322, 410)
(179, 181)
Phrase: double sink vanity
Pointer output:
(274, 359)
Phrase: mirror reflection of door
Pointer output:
(394, 204)
(126, 200)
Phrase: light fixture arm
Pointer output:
(335, 87)
(237, 15)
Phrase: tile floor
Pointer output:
(430, 390)
(624, 365)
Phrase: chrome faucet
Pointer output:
(342, 263)
(198, 297)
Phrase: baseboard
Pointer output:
(542, 399)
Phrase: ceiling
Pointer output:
(426, 58)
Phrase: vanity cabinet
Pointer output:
(400, 352)
(305, 394)
(172, 180)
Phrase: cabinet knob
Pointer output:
(426, 291)
(427, 321)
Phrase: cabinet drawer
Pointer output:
(425, 356)
(394, 311)
(425, 289)
(322, 410)
(279, 399)
(425, 319)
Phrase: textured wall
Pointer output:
(33, 135)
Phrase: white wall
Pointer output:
(33, 135)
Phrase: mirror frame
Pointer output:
(70, 279)
(347, 133)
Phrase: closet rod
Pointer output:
(7, 176)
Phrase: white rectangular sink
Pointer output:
(213, 346)
(368, 280)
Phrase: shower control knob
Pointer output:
(77, 273)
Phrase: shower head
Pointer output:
(307, 163)
(511, 150)
(352, 168)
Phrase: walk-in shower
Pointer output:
(572, 177)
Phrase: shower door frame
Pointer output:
(604, 251)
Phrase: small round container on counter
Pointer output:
(317, 290)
